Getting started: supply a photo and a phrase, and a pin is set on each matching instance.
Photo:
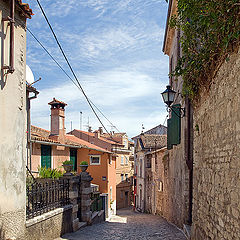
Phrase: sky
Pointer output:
(115, 48)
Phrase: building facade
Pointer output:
(144, 191)
(122, 148)
(13, 120)
(180, 139)
(51, 148)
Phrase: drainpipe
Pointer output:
(11, 20)
(189, 159)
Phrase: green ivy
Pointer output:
(209, 30)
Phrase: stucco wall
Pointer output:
(59, 154)
(216, 206)
(12, 130)
(96, 171)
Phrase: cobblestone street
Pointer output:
(129, 225)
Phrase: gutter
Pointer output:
(67, 145)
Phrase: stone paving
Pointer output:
(129, 225)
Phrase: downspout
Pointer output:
(11, 19)
(189, 160)
(29, 129)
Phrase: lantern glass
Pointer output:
(168, 95)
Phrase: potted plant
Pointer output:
(84, 166)
(68, 167)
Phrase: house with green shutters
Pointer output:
(51, 148)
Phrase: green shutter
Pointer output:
(174, 127)
(46, 156)
(176, 124)
(73, 158)
(169, 144)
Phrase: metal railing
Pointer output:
(44, 197)
(96, 203)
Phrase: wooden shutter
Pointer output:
(46, 156)
(73, 158)
(174, 127)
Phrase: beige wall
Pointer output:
(216, 206)
(12, 130)
(124, 188)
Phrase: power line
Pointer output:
(50, 55)
(69, 65)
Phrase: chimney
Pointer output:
(97, 134)
(58, 119)
(89, 129)
(100, 130)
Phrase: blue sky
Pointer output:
(115, 47)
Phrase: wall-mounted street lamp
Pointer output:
(168, 97)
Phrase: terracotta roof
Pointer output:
(25, 9)
(41, 134)
(153, 140)
(54, 101)
(71, 139)
(113, 135)
(101, 138)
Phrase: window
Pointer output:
(94, 159)
(126, 160)
(110, 193)
(110, 159)
(122, 177)
(126, 176)
(160, 186)
(122, 160)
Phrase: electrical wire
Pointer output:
(70, 67)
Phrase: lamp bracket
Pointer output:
(182, 111)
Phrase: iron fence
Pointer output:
(96, 203)
(44, 197)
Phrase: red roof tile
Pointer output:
(73, 139)
(25, 8)
(40, 134)
(101, 138)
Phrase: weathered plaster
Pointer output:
(13, 130)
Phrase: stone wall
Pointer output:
(216, 206)
(50, 225)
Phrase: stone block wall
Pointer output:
(50, 225)
(216, 175)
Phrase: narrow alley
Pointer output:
(128, 225)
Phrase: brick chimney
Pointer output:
(57, 119)
(97, 134)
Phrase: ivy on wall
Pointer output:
(210, 29)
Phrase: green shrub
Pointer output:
(83, 163)
(67, 162)
(49, 173)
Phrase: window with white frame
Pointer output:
(126, 160)
(95, 159)
(122, 177)
(126, 176)
(122, 160)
